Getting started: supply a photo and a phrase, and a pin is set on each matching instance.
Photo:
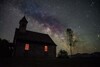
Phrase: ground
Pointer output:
(29, 62)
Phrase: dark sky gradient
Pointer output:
(54, 17)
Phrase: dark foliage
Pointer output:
(63, 54)
(5, 48)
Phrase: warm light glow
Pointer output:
(26, 46)
(45, 48)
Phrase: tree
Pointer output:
(0, 41)
(70, 38)
(5, 50)
(63, 54)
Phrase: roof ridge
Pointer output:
(36, 32)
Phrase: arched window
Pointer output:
(46, 48)
(27, 46)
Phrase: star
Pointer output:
(49, 6)
(95, 48)
(79, 27)
(92, 3)
(98, 36)
(87, 16)
(58, 7)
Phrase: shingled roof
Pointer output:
(33, 37)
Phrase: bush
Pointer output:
(63, 54)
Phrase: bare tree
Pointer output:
(70, 39)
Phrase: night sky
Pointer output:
(53, 17)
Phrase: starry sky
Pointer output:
(53, 17)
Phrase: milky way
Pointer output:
(53, 17)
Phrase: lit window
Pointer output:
(27, 46)
(45, 48)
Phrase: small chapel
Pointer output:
(32, 44)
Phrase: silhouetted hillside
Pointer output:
(86, 55)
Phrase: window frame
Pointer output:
(27, 47)
(45, 48)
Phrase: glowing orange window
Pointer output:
(46, 48)
(27, 46)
